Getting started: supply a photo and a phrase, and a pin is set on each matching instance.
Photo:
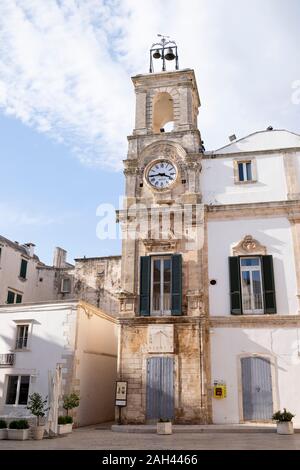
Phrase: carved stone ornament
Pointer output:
(160, 245)
(130, 167)
(249, 246)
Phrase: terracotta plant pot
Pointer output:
(38, 432)
(285, 427)
(164, 428)
(18, 434)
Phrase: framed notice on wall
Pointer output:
(121, 393)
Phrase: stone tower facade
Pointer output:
(164, 340)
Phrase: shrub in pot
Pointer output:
(3, 429)
(18, 430)
(38, 408)
(65, 423)
(164, 426)
(284, 422)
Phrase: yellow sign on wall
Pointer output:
(220, 391)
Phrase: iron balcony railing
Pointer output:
(252, 302)
(7, 360)
(21, 343)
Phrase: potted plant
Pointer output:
(38, 408)
(18, 430)
(3, 429)
(284, 422)
(164, 426)
(65, 423)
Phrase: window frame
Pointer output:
(161, 312)
(19, 323)
(251, 269)
(21, 277)
(244, 161)
(62, 290)
(16, 294)
(18, 338)
(17, 398)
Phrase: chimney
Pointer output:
(59, 258)
(30, 248)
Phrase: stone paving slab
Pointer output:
(91, 438)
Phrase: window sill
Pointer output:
(21, 350)
(23, 279)
(245, 182)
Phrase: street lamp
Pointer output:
(164, 50)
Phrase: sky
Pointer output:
(67, 101)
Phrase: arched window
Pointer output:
(163, 112)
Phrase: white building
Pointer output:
(35, 338)
(24, 278)
(252, 191)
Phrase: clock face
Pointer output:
(162, 174)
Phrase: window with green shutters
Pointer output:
(252, 286)
(161, 285)
(10, 297)
(23, 269)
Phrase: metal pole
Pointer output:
(163, 55)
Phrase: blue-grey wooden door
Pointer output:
(257, 389)
(160, 388)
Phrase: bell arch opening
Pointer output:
(163, 113)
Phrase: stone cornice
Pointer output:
(255, 321)
(164, 136)
(289, 208)
(213, 156)
(145, 321)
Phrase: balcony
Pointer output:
(7, 360)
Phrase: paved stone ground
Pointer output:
(91, 438)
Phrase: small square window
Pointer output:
(245, 171)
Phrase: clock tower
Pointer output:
(164, 334)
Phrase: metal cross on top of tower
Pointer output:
(158, 51)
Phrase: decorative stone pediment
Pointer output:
(249, 246)
(171, 150)
(160, 245)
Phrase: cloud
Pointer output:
(65, 66)
(11, 216)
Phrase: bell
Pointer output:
(170, 54)
(156, 54)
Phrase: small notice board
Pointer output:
(121, 393)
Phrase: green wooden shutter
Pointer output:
(268, 284)
(23, 270)
(176, 285)
(10, 297)
(145, 277)
(235, 286)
